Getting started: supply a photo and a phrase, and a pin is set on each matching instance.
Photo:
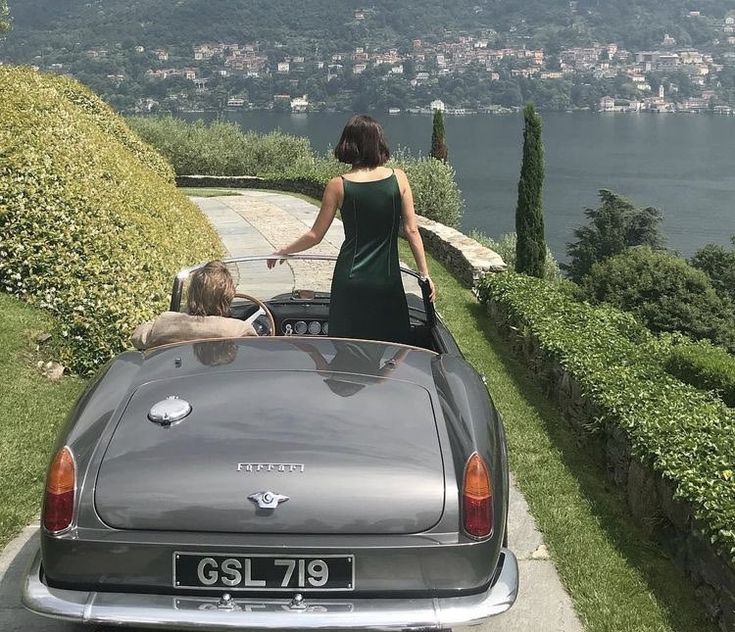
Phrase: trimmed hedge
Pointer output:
(706, 367)
(223, 149)
(683, 434)
(91, 226)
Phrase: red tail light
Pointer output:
(477, 498)
(58, 505)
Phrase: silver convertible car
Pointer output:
(285, 481)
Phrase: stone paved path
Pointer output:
(256, 223)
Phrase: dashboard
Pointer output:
(292, 319)
(301, 327)
(301, 317)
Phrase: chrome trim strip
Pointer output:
(159, 611)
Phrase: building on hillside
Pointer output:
(609, 104)
(140, 49)
(695, 105)
(235, 102)
(161, 54)
(358, 69)
(437, 105)
(668, 40)
(203, 52)
(299, 104)
(394, 110)
(283, 67)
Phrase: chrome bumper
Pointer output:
(341, 613)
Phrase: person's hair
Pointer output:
(215, 352)
(362, 143)
(211, 290)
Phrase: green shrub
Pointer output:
(505, 246)
(287, 162)
(87, 229)
(435, 191)
(683, 434)
(664, 292)
(221, 148)
(114, 125)
(719, 264)
(706, 367)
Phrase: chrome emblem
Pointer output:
(267, 500)
(270, 467)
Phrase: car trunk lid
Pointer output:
(352, 453)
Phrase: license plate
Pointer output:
(259, 572)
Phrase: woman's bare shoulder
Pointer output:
(335, 183)
(400, 174)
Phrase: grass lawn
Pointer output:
(618, 579)
(32, 410)
(203, 192)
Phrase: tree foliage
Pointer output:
(664, 292)
(719, 264)
(530, 244)
(4, 16)
(439, 149)
(614, 226)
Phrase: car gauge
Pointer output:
(300, 327)
(315, 327)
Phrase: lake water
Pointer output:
(682, 164)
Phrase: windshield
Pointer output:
(295, 278)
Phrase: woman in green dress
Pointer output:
(368, 300)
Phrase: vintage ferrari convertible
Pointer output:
(289, 480)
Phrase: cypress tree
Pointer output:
(439, 148)
(530, 244)
(4, 16)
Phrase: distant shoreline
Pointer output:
(425, 112)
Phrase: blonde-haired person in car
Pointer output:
(211, 291)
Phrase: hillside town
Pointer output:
(260, 75)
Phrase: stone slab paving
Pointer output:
(258, 222)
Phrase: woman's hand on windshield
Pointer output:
(271, 263)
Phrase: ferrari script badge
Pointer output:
(267, 500)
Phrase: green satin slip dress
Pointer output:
(368, 300)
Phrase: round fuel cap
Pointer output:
(169, 411)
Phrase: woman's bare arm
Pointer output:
(411, 229)
(331, 201)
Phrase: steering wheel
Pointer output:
(264, 307)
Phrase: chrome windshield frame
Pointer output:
(178, 285)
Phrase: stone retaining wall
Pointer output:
(465, 258)
(650, 497)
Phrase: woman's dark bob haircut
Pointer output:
(362, 143)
